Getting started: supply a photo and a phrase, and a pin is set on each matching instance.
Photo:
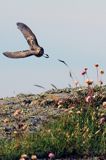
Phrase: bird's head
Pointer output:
(40, 52)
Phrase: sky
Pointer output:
(71, 30)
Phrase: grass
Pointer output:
(77, 131)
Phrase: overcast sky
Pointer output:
(71, 30)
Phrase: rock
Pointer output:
(30, 112)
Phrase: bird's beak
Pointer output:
(46, 55)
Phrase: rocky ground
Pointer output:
(28, 113)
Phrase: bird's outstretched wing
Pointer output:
(19, 54)
(28, 34)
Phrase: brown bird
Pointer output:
(35, 49)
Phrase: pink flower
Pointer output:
(17, 112)
(104, 104)
(51, 155)
(60, 102)
(96, 65)
(22, 159)
(85, 69)
(102, 120)
(89, 82)
(24, 156)
(83, 72)
(33, 157)
(88, 99)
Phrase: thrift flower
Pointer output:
(89, 82)
(83, 72)
(33, 157)
(51, 155)
(17, 112)
(96, 65)
(104, 104)
(101, 71)
(88, 99)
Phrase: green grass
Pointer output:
(77, 131)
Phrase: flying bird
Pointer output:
(35, 48)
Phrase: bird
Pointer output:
(35, 48)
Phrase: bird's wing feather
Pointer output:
(19, 54)
(28, 34)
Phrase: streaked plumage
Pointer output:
(35, 49)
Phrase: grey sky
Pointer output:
(72, 30)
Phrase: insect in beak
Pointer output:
(46, 55)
